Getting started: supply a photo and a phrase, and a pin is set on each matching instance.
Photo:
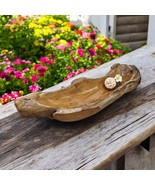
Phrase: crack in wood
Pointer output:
(127, 126)
(130, 130)
(85, 163)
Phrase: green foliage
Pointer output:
(37, 52)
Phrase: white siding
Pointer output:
(151, 30)
(101, 22)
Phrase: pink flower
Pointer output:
(27, 62)
(6, 96)
(18, 74)
(52, 56)
(43, 59)
(117, 51)
(92, 51)
(99, 46)
(74, 73)
(26, 70)
(74, 59)
(49, 61)
(71, 74)
(54, 39)
(72, 52)
(43, 69)
(68, 67)
(99, 61)
(25, 80)
(18, 61)
(70, 43)
(80, 52)
(8, 62)
(62, 47)
(34, 88)
(9, 70)
(41, 74)
(37, 66)
(85, 35)
(14, 95)
(86, 27)
(95, 30)
(34, 78)
(109, 47)
(40, 68)
(10, 96)
(92, 35)
(84, 70)
(111, 51)
(5, 75)
(53, 62)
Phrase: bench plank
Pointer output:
(92, 143)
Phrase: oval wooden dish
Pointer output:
(83, 98)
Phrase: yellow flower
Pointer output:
(62, 41)
(37, 32)
(66, 24)
(21, 92)
(102, 43)
(46, 31)
(57, 36)
(36, 43)
(53, 20)
(12, 28)
(43, 20)
(33, 25)
(101, 37)
(4, 51)
(66, 28)
(39, 26)
(59, 21)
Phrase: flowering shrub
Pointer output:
(37, 52)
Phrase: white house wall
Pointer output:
(101, 22)
(151, 30)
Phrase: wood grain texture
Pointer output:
(93, 143)
(83, 98)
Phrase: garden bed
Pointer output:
(37, 52)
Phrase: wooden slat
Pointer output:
(132, 37)
(132, 30)
(132, 19)
(135, 28)
(93, 143)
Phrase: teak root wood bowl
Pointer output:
(83, 98)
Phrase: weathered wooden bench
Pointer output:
(119, 137)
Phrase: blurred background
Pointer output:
(134, 31)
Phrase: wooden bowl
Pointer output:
(83, 98)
